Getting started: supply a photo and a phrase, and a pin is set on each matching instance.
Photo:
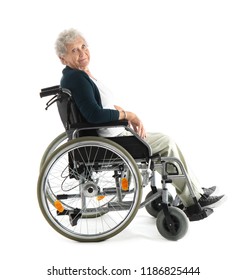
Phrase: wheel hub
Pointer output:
(89, 189)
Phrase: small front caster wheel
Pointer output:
(155, 206)
(180, 221)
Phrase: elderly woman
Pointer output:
(93, 100)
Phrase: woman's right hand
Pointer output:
(137, 124)
(133, 120)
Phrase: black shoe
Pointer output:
(209, 191)
(210, 201)
(206, 191)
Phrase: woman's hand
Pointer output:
(133, 120)
(135, 123)
(138, 126)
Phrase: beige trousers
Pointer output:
(166, 147)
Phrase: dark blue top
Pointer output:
(86, 96)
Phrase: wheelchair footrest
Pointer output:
(198, 215)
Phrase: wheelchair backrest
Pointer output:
(67, 109)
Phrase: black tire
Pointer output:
(180, 221)
(155, 206)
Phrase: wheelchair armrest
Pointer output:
(87, 125)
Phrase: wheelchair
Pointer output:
(90, 188)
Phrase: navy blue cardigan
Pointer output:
(86, 96)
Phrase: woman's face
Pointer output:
(77, 56)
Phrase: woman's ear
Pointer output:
(62, 60)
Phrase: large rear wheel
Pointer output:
(84, 192)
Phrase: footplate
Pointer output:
(196, 216)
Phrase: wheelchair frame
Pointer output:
(90, 188)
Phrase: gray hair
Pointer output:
(64, 38)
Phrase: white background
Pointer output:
(181, 66)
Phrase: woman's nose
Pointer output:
(81, 52)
